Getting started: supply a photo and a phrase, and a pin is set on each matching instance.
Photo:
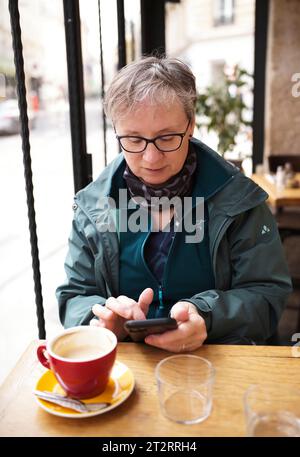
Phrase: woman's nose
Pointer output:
(152, 154)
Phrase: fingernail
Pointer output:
(96, 308)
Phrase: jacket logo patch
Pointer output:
(265, 230)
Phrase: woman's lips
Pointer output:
(154, 170)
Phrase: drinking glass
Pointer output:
(272, 410)
(185, 385)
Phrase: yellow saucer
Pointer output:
(118, 389)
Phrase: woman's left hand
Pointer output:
(190, 334)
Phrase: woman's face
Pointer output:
(150, 121)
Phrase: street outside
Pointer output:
(53, 191)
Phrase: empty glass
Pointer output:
(272, 410)
(185, 388)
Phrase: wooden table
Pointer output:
(236, 368)
(278, 198)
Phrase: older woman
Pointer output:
(229, 286)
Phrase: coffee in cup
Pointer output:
(81, 359)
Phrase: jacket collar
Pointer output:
(239, 193)
(213, 174)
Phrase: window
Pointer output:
(217, 71)
(223, 12)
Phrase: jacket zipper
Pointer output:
(160, 297)
(159, 285)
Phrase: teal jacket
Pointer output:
(251, 277)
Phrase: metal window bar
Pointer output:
(121, 34)
(260, 55)
(21, 91)
(153, 27)
(102, 85)
(82, 162)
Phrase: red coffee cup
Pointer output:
(81, 359)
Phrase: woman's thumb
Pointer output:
(180, 311)
(145, 299)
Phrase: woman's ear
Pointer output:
(192, 127)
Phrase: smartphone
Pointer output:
(138, 330)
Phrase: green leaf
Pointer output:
(219, 111)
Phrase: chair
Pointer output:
(288, 222)
(276, 161)
(288, 219)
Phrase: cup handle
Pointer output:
(41, 356)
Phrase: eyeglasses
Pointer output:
(164, 143)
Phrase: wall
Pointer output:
(282, 121)
(191, 35)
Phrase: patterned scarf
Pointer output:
(179, 185)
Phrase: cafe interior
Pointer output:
(274, 166)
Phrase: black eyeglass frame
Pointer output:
(153, 140)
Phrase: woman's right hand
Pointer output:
(118, 310)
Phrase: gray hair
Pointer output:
(160, 80)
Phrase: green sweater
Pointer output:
(250, 272)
